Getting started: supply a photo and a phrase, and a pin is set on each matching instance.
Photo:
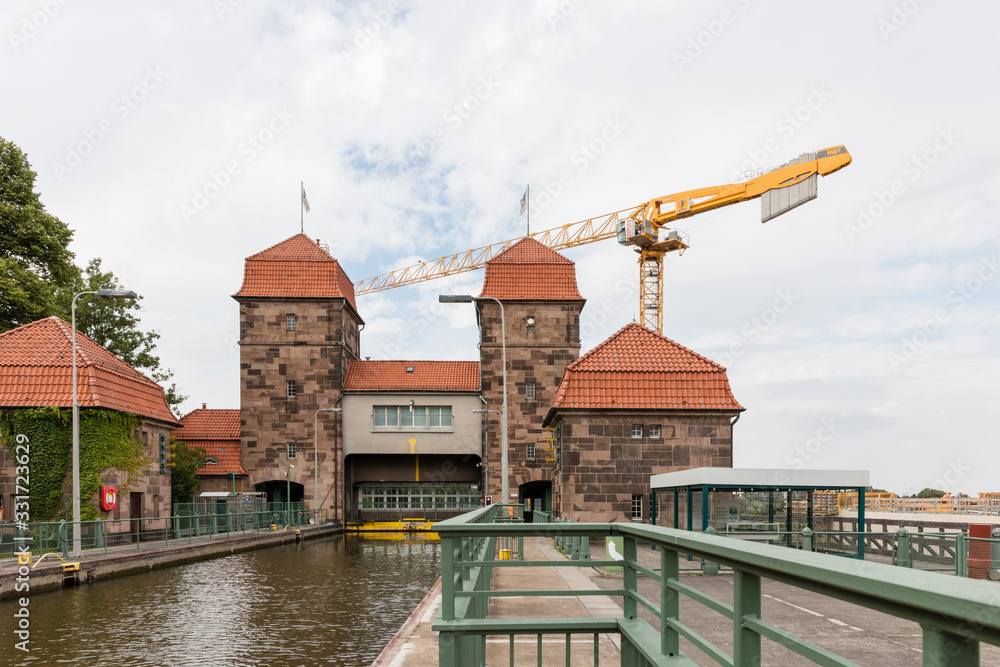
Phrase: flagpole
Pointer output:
(528, 200)
(302, 207)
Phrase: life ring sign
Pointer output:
(109, 498)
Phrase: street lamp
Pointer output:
(486, 447)
(288, 494)
(316, 458)
(465, 298)
(107, 294)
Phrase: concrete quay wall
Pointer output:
(49, 576)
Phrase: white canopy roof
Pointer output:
(762, 478)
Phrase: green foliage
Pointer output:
(184, 463)
(34, 245)
(106, 442)
(930, 493)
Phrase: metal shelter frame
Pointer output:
(685, 483)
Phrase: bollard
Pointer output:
(807, 539)
(904, 553)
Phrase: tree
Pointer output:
(38, 277)
(930, 493)
(34, 245)
(184, 463)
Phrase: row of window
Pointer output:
(405, 417)
(418, 496)
(653, 431)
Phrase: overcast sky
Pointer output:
(859, 330)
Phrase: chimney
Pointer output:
(204, 406)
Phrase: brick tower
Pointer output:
(299, 329)
(542, 307)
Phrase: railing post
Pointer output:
(669, 602)
(961, 555)
(904, 555)
(63, 539)
(707, 566)
(630, 578)
(447, 583)
(746, 603)
(945, 648)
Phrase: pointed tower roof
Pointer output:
(638, 368)
(297, 268)
(530, 271)
(36, 370)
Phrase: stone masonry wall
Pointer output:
(315, 356)
(538, 357)
(603, 466)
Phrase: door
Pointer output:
(135, 513)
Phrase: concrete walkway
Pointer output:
(416, 643)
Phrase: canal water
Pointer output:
(334, 601)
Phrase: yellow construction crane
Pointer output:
(781, 189)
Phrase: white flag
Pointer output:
(305, 202)
(524, 202)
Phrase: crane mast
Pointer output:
(646, 227)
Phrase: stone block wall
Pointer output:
(314, 356)
(538, 357)
(603, 466)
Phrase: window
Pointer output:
(529, 390)
(290, 389)
(636, 430)
(291, 450)
(289, 322)
(411, 417)
(654, 431)
(637, 507)
(163, 454)
(531, 451)
(212, 461)
(529, 324)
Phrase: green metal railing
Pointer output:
(955, 615)
(50, 536)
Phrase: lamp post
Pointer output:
(316, 457)
(465, 298)
(486, 474)
(107, 294)
(288, 494)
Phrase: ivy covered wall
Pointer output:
(108, 445)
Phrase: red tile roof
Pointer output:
(296, 268)
(218, 433)
(426, 376)
(637, 368)
(35, 371)
(530, 271)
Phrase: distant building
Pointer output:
(584, 433)
(36, 371)
(218, 433)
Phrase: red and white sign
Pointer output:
(109, 498)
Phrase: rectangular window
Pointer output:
(654, 431)
(529, 391)
(163, 454)
(637, 507)
(411, 417)
(531, 451)
(290, 389)
(289, 322)
(636, 430)
(291, 450)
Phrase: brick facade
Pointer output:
(538, 357)
(314, 356)
(603, 466)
